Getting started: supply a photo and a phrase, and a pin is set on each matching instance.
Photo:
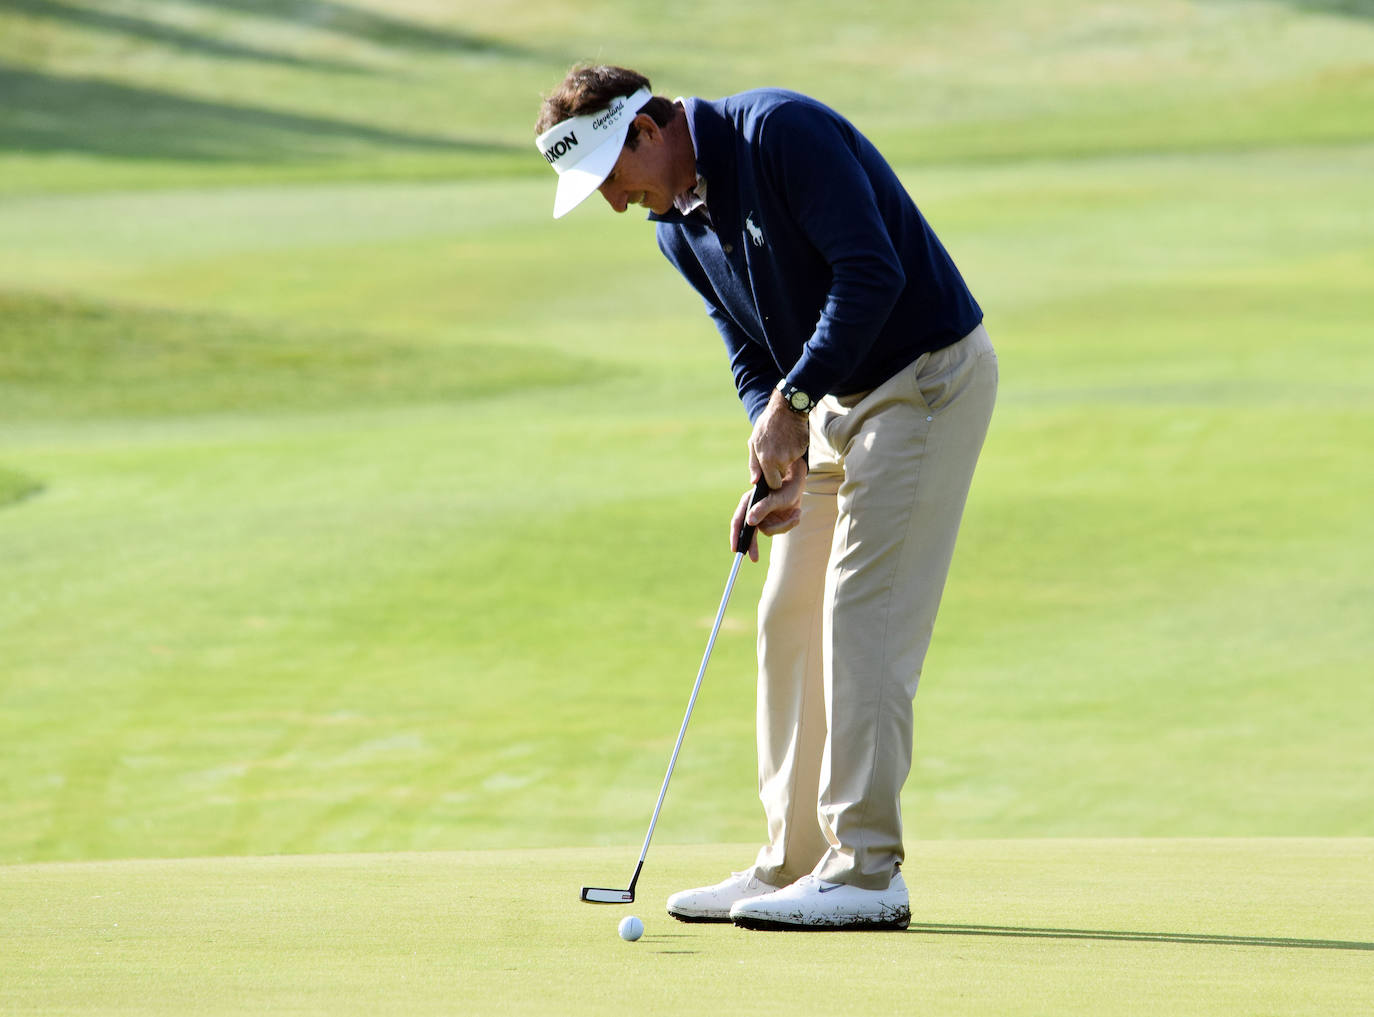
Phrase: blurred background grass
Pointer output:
(352, 504)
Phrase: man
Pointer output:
(860, 357)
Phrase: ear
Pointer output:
(648, 128)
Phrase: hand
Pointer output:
(781, 437)
(779, 512)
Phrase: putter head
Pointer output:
(601, 895)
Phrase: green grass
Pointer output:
(133, 362)
(373, 590)
(142, 94)
(349, 504)
(1007, 927)
(16, 486)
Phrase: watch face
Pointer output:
(801, 401)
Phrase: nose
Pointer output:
(615, 197)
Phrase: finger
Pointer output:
(780, 522)
(738, 519)
(760, 510)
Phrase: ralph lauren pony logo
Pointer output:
(755, 234)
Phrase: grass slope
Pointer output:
(402, 624)
(141, 93)
(369, 510)
(133, 362)
(1113, 927)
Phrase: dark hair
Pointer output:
(588, 88)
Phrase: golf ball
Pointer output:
(631, 928)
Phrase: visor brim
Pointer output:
(577, 183)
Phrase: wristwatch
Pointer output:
(796, 400)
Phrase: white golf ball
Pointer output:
(631, 928)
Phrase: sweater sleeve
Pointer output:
(814, 162)
(751, 364)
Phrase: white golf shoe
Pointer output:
(810, 904)
(712, 903)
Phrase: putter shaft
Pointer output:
(603, 895)
(691, 703)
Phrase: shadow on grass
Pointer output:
(1139, 937)
(167, 35)
(1346, 8)
(44, 113)
(1341, 8)
(73, 359)
(369, 26)
(17, 487)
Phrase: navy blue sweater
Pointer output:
(815, 263)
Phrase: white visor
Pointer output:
(584, 149)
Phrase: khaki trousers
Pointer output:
(848, 607)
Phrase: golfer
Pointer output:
(862, 362)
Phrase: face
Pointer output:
(642, 175)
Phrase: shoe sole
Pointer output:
(700, 919)
(897, 924)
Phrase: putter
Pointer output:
(605, 895)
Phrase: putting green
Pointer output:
(1114, 927)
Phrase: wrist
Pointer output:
(795, 399)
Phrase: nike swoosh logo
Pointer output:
(832, 886)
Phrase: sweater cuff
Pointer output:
(755, 402)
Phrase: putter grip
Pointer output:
(746, 532)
